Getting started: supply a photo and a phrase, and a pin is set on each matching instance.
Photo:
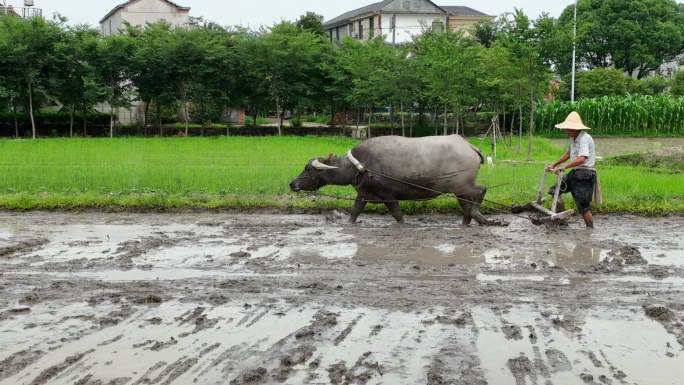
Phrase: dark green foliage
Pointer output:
(678, 84)
(611, 82)
(311, 22)
(634, 35)
(437, 81)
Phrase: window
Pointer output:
(351, 29)
(371, 29)
(337, 33)
(437, 26)
(360, 30)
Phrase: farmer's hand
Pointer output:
(558, 170)
(549, 168)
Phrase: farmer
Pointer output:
(582, 180)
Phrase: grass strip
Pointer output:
(254, 173)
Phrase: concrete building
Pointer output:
(9, 11)
(141, 12)
(399, 20)
(27, 11)
(669, 69)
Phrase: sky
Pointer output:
(254, 13)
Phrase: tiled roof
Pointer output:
(462, 11)
(345, 17)
(375, 7)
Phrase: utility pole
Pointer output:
(4, 7)
(574, 55)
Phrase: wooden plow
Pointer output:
(551, 216)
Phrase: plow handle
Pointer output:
(556, 195)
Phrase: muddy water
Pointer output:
(266, 299)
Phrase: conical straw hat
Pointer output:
(573, 122)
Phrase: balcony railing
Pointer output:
(25, 12)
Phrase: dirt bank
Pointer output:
(300, 299)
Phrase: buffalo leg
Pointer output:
(359, 205)
(473, 201)
(395, 210)
(466, 207)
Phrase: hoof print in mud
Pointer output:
(659, 313)
(629, 255)
(252, 377)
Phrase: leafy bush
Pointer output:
(296, 122)
(678, 84)
(249, 120)
(598, 82)
(319, 118)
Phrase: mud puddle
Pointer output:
(271, 299)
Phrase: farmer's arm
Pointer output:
(562, 160)
(577, 162)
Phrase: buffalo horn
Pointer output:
(321, 166)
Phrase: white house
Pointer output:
(141, 12)
(399, 20)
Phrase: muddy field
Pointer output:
(114, 299)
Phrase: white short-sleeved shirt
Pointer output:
(583, 145)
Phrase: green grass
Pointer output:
(241, 172)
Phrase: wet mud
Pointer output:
(116, 299)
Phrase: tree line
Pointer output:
(503, 66)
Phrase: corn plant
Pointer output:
(632, 115)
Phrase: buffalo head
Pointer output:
(316, 174)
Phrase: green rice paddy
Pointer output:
(254, 172)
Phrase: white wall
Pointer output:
(150, 11)
(669, 69)
(408, 26)
(142, 12)
(112, 24)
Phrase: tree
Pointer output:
(598, 82)
(485, 32)
(150, 69)
(364, 72)
(634, 35)
(77, 84)
(450, 64)
(113, 63)
(10, 77)
(253, 86)
(28, 50)
(407, 82)
(678, 84)
(288, 61)
(214, 84)
(505, 80)
(184, 55)
(554, 44)
(520, 36)
(311, 22)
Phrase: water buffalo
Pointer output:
(375, 168)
